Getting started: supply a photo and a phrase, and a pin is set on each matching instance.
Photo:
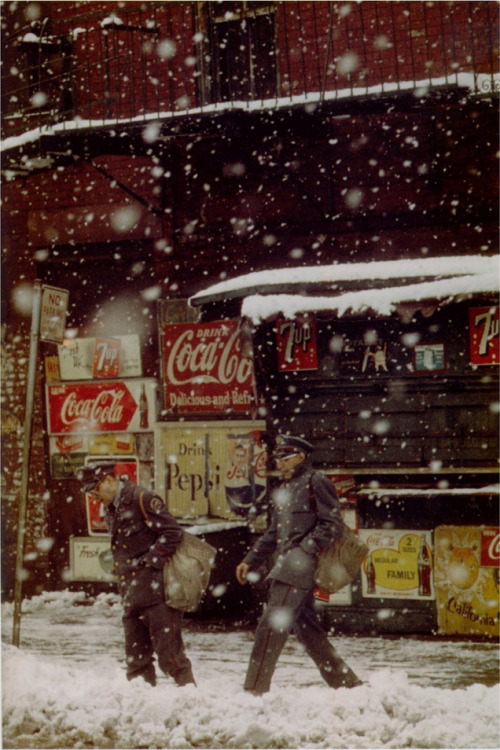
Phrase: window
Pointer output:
(239, 53)
(48, 71)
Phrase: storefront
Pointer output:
(195, 438)
(391, 370)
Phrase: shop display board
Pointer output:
(91, 358)
(399, 564)
(91, 559)
(205, 370)
(211, 468)
(466, 579)
(80, 409)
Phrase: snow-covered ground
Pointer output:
(66, 688)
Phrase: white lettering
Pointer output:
(490, 329)
(214, 362)
(102, 410)
(494, 548)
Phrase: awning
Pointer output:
(380, 287)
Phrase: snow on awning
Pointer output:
(469, 81)
(380, 286)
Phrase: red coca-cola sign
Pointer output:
(490, 547)
(203, 368)
(91, 408)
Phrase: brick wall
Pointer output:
(15, 358)
(138, 58)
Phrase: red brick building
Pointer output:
(151, 150)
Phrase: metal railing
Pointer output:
(152, 60)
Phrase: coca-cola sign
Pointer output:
(204, 370)
(490, 547)
(98, 407)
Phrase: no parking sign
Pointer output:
(54, 307)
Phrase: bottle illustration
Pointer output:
(370, 575)
(143, 410)
(424, 569)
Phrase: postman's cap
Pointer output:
(92, 474)
(292, 444)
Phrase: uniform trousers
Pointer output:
(290, 609)
(156, 629)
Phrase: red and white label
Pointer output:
(490, 547)
(94, 407)
(204, 370)
(107, 356)
(296, 344)
(483, 333)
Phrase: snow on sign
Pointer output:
(53, 311)
(204, 370)
(108, 406)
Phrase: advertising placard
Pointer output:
(211, 468)
(483, 334)
(52, 373)
(296, 344)
(364, 355)
(89, 358)
(204, 370)
(68, 452)
(466, 579)
(107, 406)
(430, 357)
(67, 455)
(107, 358)
(111, 445)
(399, 564)
(91, 559)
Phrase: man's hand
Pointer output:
(242, 572)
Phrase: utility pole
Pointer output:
(28, 419)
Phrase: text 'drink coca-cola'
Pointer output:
(205, 370)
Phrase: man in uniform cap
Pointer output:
(143, 537)
(306, 518)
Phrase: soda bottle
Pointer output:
(143, 410)
(424, 569)
(370, 575)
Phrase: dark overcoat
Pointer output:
(141, 546)
(306, 518)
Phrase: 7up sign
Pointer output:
(483, 328)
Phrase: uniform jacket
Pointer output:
(306, 518)
(140, 548)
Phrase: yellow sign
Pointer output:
(111, 445)
(466, 579)
(52, 374)
(215, 469)
(399, 564)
